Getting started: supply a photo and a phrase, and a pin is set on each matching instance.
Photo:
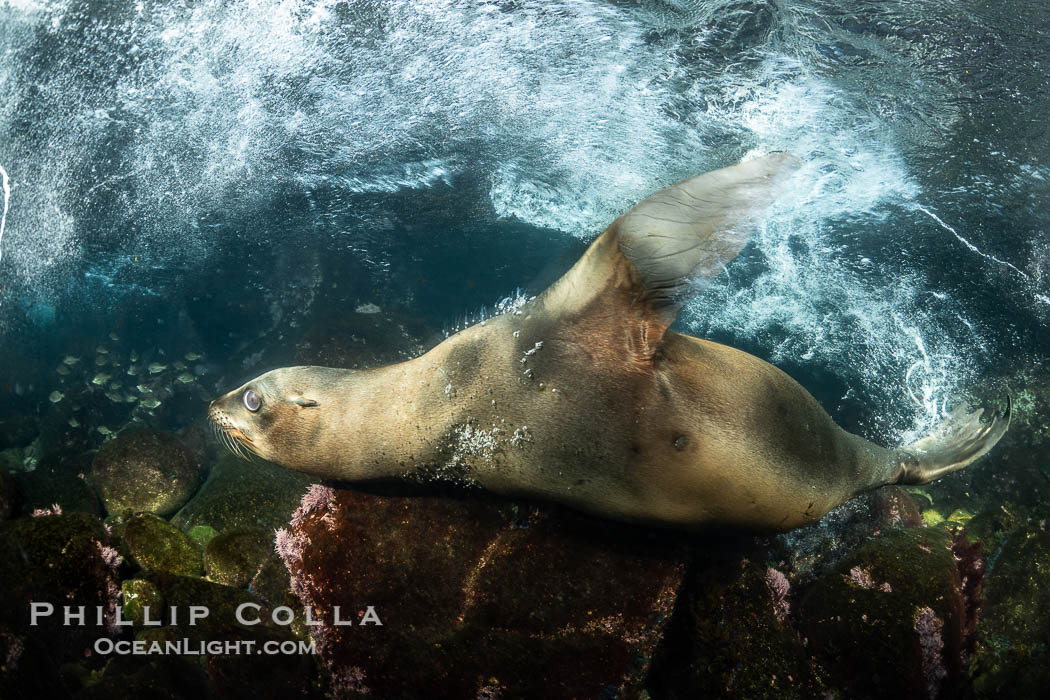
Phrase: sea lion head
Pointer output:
(278, 416)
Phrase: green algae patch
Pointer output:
(155, 545)
(202, 534)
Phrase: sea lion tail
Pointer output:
(960, 438)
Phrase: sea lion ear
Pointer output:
(694, 228)
(306, 403)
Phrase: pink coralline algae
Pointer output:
(109, 555)
(778, 588)
(317, 497)
(860, 577)
(349, 682)
(55, 509)
(931, 646)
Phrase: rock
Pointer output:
(1012, 654)
(476, 599)
(144, 472)
(7, 495)
(273, 584)
(888, 619)
(60, 560)
(733, 634)
(155, 545)
(11, 459)
(244, 495)
(42, 488)
(137, 595)
(234, 558)
(17, 430)
(892, 506)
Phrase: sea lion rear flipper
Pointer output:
(694, 228)
(956, 441)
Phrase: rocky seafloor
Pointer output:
(911, 593)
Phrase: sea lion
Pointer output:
(583, 396)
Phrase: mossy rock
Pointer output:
(888, 620)
(137, 595)
(272, 583)
(242, 495)
(144, 472)
(234, 558)
(1012, 654)
(733, 636)
(45, 486)
(156, 545)
(55, 559)
(7, 495)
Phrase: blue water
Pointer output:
(212, 177)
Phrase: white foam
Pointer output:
(3, 216)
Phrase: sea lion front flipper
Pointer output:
(694, 228)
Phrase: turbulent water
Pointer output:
(210, 174)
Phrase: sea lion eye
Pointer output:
(252, 401)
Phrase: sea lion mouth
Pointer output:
(231, 436)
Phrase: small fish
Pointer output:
(150, 403)
(130, 398)
(74, 423)
(156, 367)
(113, 386)
(56, 396)
(114, 337)
(100, 379)
(180, 365)
(193, 357)
(133, 370)
(186, 378)
(102, 350)
(134, 356)
(63, 370)
(70, 360)
(101, 361)
(114, 397)
(104, 430)
(143, 389)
